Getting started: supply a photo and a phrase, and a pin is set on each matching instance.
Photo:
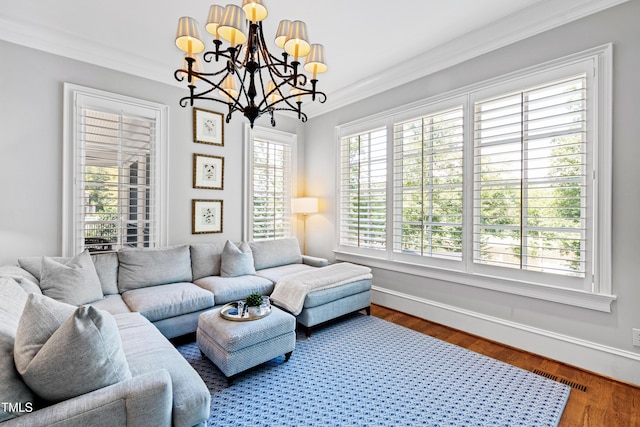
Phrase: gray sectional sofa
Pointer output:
(151, 295)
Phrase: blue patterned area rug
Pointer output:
(365, 371)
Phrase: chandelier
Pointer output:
(252, 80)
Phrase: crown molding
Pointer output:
(533, 20)
(64, 44)
(518, 26)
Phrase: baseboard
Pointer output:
(608, 361)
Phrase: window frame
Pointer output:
(71, 143)
(600, 296)
(272, 135)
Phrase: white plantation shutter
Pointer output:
(115, 177)
(363, 190)
(114, 171)
(531, 181)
(428, 187)
(271, 180)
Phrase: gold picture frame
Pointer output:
(208, 127)
(206, 216)
(208, 172)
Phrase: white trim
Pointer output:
(540, 17)
(572, 297)
(465, 273)
(605, 360)
(71, 92)
(269, 134)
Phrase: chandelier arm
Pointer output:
(230, 53)
(271, 60)
(179, 75)
(302, 116)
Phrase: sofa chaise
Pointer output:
(154, 294)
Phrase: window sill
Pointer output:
(572, 297)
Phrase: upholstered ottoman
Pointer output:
(237, 346)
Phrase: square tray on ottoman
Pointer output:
(237, 346)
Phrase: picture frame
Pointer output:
(206, 216)
(208, 127)
(208, 172)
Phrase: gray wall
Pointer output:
(617, 25)
(31, 109)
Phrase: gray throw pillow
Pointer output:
(236, 261)
(75, 282)
(12, 388)
(62, 357)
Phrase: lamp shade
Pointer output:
(304, 205)
(297, 42)
(188, 38)
(216, 13)
(232, 26)
(316, 62)
(255, 10)
(282, 33)
(229, 85)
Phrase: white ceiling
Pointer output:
(369, 48)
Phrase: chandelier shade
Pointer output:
(296, 43)
(232, 26)
(283, 31)
(316, 62)
(216, 13)
(188, 38)
(254, 10)
(249, 79)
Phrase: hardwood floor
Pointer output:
(595, 401)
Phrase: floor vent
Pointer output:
(545, 374)
(573, 385)
(564, 381)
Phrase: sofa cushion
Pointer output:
(205, 259)
(143, 267)
(25, 279)
(114, 304)
(276, 273)
(74, 282)
(236, 260)
(12, 388)
(81, 355)
(107, 269)
(228, 289)
(325, 296)
(147, 350)
(273, 253)
(165, 301)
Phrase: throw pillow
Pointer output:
(60, 358)
(236, 260)
(75, 282)
(12, 388)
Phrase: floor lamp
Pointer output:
(304, 206)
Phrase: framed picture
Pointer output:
(207, 216)
(208, 127)
(208, 172)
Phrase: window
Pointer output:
(504, 184)
(114, 149)
(427, 180)
(530, 181)
(363, 190)
(270, 172)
